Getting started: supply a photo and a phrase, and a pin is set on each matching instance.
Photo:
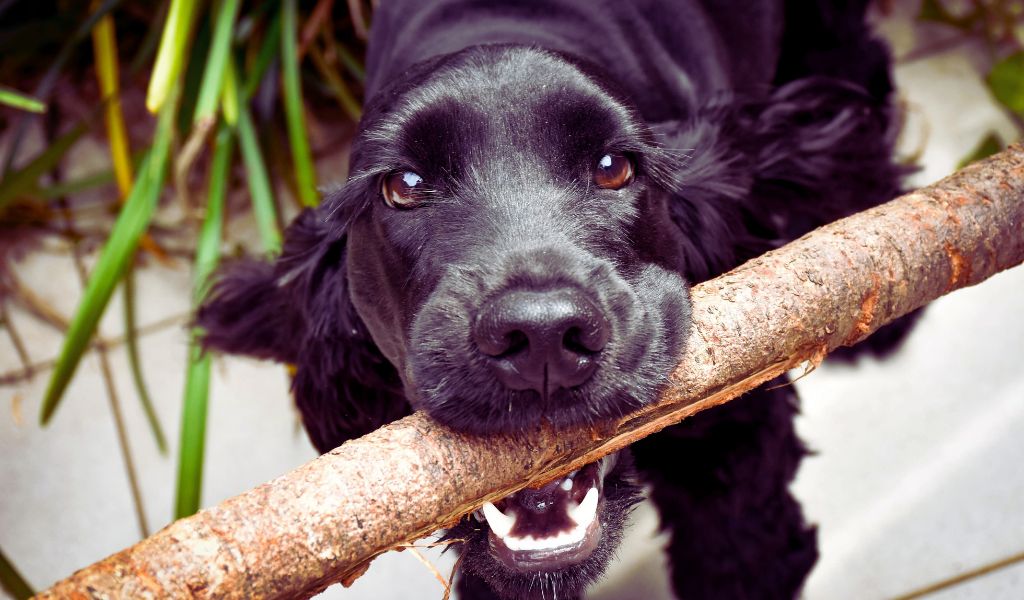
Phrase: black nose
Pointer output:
(542, 340)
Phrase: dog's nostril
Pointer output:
(517, 342)
(512, 343)
(576, 341)
(497, 341)
(571, 341)
(542, 340)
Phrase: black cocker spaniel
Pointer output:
(532, 187)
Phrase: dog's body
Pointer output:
(532, 186)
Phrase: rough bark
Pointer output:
(325, 521)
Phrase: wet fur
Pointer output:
(728, 177)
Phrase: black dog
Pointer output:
(531, 188)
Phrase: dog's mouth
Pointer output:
(552, 527)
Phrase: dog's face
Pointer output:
(511, 258)
(511, 255)
(510, 261)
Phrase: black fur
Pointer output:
(749, 123)
(482, 577)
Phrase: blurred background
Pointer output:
(140, 142)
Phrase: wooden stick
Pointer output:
(325, 521)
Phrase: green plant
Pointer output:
(208, 60)
(998, 27)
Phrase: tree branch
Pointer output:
(325, 521)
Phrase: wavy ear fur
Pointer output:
(762, 173)
(246, 312)
(297, 310)
(756, 174)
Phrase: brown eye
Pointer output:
(402, 189)
(613, 171)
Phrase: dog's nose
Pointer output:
(542, 340)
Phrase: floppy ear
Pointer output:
(751, 175)
(824, 150)
(298, 310)
(253, 307)
(762, 173)
(343, 385)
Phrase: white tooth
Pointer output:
(479, 516)
(566, 484)
(499, 522)
(566, 538)
(584, 513)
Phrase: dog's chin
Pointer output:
(527, 409)
(554, 541)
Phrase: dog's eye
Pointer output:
(402, 189)
(614, 171)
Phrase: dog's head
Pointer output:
(508, 253)
(506, 256)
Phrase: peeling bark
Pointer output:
(325, 521)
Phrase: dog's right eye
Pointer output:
(614, 171)
(402, 189)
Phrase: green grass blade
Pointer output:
(193, 433)
(24, 180)
(12, 582)
(197, 378)
(351, 63)
(114, 259)
(305, 175)
(269, 49)
(19, 100)
(170, 56)
(220, 47)
(229, 98)
(135, 363)
(259, 183)
(208, 244)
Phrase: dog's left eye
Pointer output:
(613, 171)
(402, 189)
